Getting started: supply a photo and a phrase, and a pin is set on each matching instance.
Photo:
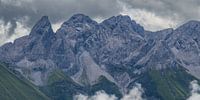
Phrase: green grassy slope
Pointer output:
(167, 84)
(60, 86)
(171, 83)
(106, 85)
(14, 88)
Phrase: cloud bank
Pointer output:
(134, 94)
(195, 92)
(149, 20)
(19, 31)
(59, 10)
(152, 14)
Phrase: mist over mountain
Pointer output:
(83, 57)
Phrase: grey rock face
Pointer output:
(118, 48)
(32, 52)
(115, 40)
(185, 44)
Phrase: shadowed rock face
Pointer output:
(32, 54)
(118, 49)
(185, 45)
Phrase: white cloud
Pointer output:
(17, 3)
(195, 92)
(4, 29)
(20, 30)
(148, 19)
(134, 94)
(98, 19)
(101, 95)
(56, 26)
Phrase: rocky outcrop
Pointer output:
(118, 49)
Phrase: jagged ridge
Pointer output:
(118, 49)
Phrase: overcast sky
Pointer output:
(18, 16)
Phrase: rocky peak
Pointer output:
(84, 46)
(190, 27)
(114, 21)
(192, 24)
(79, 18)
(124, 24)
(78, 27)
(43, 27)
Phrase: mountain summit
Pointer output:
(84, 56)
(43, 26)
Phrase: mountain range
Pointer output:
(84, 56)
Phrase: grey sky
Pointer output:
(20, 15)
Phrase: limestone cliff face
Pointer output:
(118, 49)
